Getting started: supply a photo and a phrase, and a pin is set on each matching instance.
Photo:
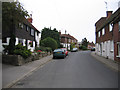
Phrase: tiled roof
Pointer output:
(68, 36)
(28, 23)
(100, 22)
(113, 18)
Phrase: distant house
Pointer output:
(91, 45)
(67, 39)
(108, 35)
(26, 34)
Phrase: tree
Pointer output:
(12, 14)
(12, 11)
(49, 42)
(72, 45)
(47, 32)
(84, 42)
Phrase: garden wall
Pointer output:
(19, 60)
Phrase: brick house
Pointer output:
(108, 35)
(26, 34)
(91, 45)
(67, 39)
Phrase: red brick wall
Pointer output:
(116, 39)
(107, 36)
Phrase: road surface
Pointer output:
(77, 70)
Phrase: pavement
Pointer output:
(12, 74)
(108, 62)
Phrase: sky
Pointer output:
(77, 17)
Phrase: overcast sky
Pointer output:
(77, 17)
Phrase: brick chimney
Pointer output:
(30, 18)
(109, 13)
(60, 32)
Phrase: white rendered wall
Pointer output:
(106, 49)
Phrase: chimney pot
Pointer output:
(30, 19)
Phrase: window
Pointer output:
(99, 34)
(21, 25)
(103, 31)
(27, 28)
(111, 46)
(20, 41)
(31, 43)
(4, 40)
(110, 27)
(119, 26)
(32, 32)
(118, 49)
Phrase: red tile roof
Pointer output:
(68, 36)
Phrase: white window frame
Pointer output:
(20, 41)
(32, 32)
(110, 27)
(118, 46)
(119, 25)
(103, 31)
(99, 34)
(111, 46)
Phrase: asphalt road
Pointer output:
(78, 70)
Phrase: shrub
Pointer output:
(49, 42)
(83, 47)
(22, 50)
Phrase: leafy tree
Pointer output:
(47, 32)
(12, 14)
(49, 42)
(84, 42)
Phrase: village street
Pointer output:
(77, 70)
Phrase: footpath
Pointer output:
(12, 74)
(108, 62)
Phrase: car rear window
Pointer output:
(58, 50)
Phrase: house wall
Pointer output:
(105, 43)
(24, 43)
(105, 49)
(1, 45)
(24, 34)
(116, 40)
(37, 38)
(66, 45)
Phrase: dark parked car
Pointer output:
(74, 50)
(59, 53)
(92, 49)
